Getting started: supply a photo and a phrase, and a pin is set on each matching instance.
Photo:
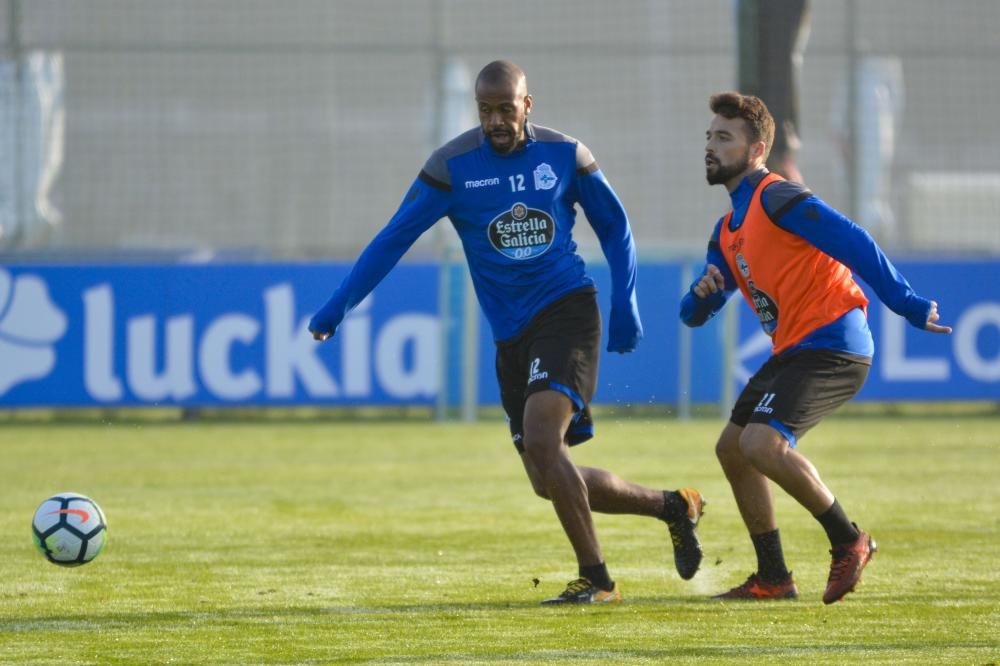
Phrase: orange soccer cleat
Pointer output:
(687, 548)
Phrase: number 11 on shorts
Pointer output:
(764, 405)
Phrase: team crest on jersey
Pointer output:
(522, 232)
(742, 264)
(545, 177)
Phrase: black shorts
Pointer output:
(560, 351)
(793, 393)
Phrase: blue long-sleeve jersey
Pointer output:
(797, 210)
(514, 215)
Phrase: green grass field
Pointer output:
(288, 542)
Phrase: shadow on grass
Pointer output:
(93, 620)
(880, 651)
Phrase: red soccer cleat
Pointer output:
(756, 587)
(849, 560)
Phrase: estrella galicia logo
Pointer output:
(763, 304)
(30, 324)
(765, 307)
(522, 232)
(545, 177)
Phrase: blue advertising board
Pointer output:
(235, 334)
(206, 335)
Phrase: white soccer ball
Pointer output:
(69, 529)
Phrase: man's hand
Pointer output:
(932, 318)
(624, 340)
(321, 330)
(625, 329)
(712, 282)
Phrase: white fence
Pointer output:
(294, 128)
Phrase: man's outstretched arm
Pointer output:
(423, 206)
(836, 235)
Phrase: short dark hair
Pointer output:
(501, 71)
(759, 122)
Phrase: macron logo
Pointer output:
(30, 324)
(482, 182)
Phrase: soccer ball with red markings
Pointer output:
(69, 529)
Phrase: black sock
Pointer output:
(770, 558)
(839, 528)
(675, 507)
(598, 575)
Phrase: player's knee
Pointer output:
(539, 489)
(727, 450)
(759, 449)
(541, 450)
(536, 478)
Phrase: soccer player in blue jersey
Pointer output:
(509, 188)
(792, 257)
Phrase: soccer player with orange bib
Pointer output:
(791, 256)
